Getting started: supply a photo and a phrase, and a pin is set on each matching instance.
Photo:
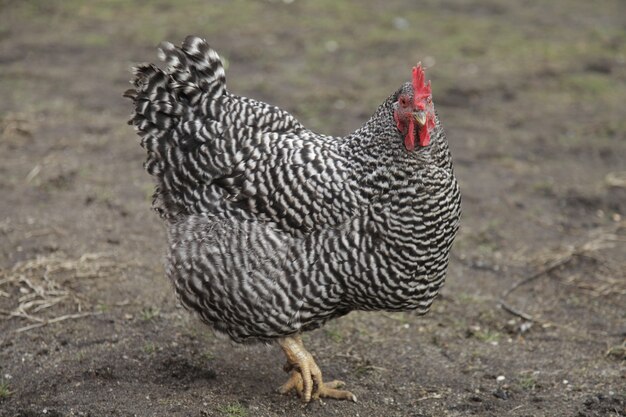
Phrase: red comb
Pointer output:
(420, 90)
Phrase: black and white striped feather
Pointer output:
(274, 229)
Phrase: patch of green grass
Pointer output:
(334, 335)
(233, 410)
(466, 298)
(5, 389)
(362, 370)
(543, 187)
(487, 248)
(207, 356)
(527, 382)
(485, 240)
(96, 39)
(198, 331)
(400, 317)
(588, 84)
(149, 348)
(485, 335)
(150, 313)
(103, 308)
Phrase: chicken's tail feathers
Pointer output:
(195, 68)
(166, 104)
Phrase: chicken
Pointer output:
(273, 229)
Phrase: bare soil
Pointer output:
(532, 320)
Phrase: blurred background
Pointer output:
(531, 95)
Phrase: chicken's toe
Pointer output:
(328, 390)
(294, 383)
(306, 377)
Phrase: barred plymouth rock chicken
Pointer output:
(274, 229)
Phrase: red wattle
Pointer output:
(426, 129)
(399, 123)
(424, 136)
(409, 139)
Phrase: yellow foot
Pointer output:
(306, 377)
(325, 390)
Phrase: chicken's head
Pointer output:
(414, 112)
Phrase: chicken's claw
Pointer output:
(306, 376)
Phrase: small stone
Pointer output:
(331, 45)
(500, 378)
(400, 23)
(339, 104)
(525, 326)
(503, 395)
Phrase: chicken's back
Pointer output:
(212, 152)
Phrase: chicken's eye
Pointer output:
(404, 102)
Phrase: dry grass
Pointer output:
(38, 289)
(605, 280)
(15, 127)
(617, 352)
(616, 179)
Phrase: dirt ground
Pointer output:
(532, 97)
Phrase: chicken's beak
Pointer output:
(420, 117)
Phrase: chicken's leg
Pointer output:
(306, 377)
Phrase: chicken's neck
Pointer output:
(378, 158)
